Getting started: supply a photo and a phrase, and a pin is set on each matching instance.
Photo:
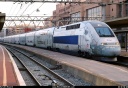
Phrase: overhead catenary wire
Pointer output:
(26, 9)
(14, 8)
(11, 9)
(21, 9)
(69, 1)
(37, 8)
(22, 5)
(34, 11)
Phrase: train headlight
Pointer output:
(103, 43)
(117, 43)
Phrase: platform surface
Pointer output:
(124, 53)
(114, 73)
(10, 75)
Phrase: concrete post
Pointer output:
(123, 10)
(103, 12)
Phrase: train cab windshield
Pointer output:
(104, 32)
(102, 29)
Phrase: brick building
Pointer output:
(13, 31)
(48, 22)
(70, 13)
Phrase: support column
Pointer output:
(103, 12)
(123, 10)
(126, 41)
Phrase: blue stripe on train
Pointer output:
(66, 39)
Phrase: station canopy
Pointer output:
(2, 20)
(118, 22)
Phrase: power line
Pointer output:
(41, 5)
(11, 8)
(20, 8)
(14, 8)
(66, 1)
(37, 8)
(31, 6)
(26, 9)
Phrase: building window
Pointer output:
(75, 17)
(126, 8)
(94, 13)
(120, 10)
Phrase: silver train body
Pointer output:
(89, 38)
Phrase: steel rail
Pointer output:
(50, 71)
(36, 81)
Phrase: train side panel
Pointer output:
(5, 39)
(22, 39)
(50, 33)
(9, 39)
(1, 39)
(30, 37)
(13, 39)
(68, 37)
(41, 38)
(44, 38)
(16, 39)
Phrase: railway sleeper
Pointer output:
(57, 67)
(22, 69)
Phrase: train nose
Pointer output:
(111, 51)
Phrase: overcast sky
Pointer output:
(12, 9)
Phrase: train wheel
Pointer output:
(80, 54)
(87, 55)
(57, 49)
(50, 48)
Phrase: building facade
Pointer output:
(13, 31)
(48, 22)
(70, 13)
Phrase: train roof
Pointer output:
(89, 21)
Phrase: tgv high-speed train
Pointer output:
(88, 38)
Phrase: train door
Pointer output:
(43, 39)
(37, 39)
(85, 40)
(49, 39)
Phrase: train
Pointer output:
(86, 38)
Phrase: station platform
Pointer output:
(124, 53)
(95, 72)
(9, 73)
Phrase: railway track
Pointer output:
(118, 63)
(121, 59)
(40, 74)
(26, 70)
